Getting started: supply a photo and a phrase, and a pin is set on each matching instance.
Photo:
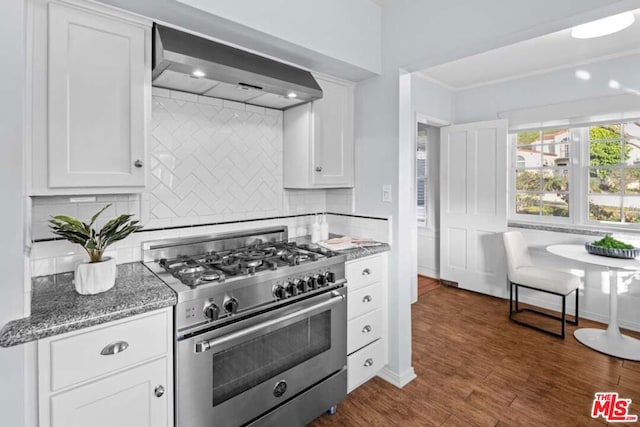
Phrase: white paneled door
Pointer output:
(473, 205)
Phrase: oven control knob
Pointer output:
(322, 280)
(211, 311)
(331, 276)
(313, 283)
(279, 292)
(231, 305)
(303, 285)
(292, 288)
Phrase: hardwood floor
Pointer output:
(475, 367)
(427, 284)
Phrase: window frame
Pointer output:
(579, 176)
(574, 154)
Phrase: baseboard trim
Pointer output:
(428, 272)
(398, 380)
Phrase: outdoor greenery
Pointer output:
(94, 242)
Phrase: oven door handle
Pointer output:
(205, 345)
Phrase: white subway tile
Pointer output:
(208, 100)
(255, 109)
(233, 105)
(162, 92)
(184, 96)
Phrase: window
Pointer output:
(584, 175)
(614, 173)
(542, 173)
(421, 173)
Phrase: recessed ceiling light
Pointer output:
(198, 73)
(583, 74)
(614, 84)
(603, 27)
(292, 95)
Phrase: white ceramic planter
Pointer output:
(95, 277)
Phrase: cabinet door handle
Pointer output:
(368, 362)
(159, 391)
(367, 298)
(138, 163)
(318, 168)
(366, 272)
(114, 348)
(366, 329)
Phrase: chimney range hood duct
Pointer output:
(184, 62)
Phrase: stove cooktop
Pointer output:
(217, 266)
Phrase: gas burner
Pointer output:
(213, 266)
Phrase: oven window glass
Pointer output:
(246, 365)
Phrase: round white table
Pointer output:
(609, 341)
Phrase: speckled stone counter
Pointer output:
(57, 308)
(363, 251)
(351, 254)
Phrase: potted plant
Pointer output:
(99, 274)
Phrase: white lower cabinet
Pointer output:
(367, 318)
(133, 398)
(123, 374)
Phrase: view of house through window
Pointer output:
(543, 172)
(614, 172)
(421, 173)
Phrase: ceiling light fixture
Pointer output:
(614, 84)
(292, 95)
(198, 73)
(583, 74)
(603, 27)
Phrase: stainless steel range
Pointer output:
(260, 327)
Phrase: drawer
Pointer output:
(364, 300)
(363, 330)
(78, 358)
(364, 364)
(363, 272)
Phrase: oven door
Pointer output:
(231, 375)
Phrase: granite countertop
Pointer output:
(57, 308)
(354, 253)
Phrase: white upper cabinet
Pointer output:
(97, 100)
(318, 139)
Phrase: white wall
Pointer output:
(431, 99)
(333, 37)
(326, 27)
(486, 102)
(436, 102)
(12, 88)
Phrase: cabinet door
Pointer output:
(127, 399)
(332, 162)
(97, 78)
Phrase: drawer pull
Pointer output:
(368, 362)
(366, 272)
(159, 391)
(367, 298)
(114, 348)
(366, 329)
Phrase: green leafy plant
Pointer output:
(94, 242)
(611, 243)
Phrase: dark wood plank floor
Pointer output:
(427, 284)
(475, 367)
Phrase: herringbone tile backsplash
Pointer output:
(214, 160)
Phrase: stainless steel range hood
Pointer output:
(184, 62)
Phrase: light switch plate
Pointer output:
(386, 193)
